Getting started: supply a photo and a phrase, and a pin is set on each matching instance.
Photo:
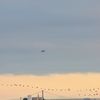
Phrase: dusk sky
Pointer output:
(76, 85)
(68, 31)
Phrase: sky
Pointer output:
(60, 86)
(68, 31)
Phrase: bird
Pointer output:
(42, 50)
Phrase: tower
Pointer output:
(42, 95)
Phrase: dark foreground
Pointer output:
(77, 99)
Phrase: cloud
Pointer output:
(69, 30)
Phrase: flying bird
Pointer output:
(42, 50)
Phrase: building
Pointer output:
(30, 97)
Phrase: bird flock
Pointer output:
(86, 92)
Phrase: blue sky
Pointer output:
(69, 31)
